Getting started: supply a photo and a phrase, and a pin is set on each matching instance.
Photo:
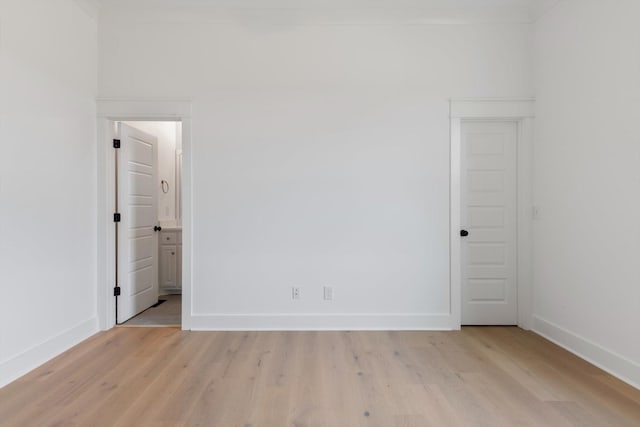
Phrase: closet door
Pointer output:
(489, 219)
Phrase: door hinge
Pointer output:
(116, 143)
(116, 291)
(116, 217)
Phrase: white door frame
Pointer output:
(108, 111)
(520, 111)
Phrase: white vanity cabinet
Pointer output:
(170, 260)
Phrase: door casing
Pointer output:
(108, 112)
(520, 111)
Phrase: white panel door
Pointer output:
(489, 203)
(137, 204)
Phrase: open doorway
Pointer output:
(109, 112)
(148, 223)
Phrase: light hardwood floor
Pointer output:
(166, 377)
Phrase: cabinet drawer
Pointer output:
(168, 238)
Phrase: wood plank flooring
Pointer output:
(166, 377)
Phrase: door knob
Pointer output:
(464, 233)
(157, 228)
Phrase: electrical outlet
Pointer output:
(295, 293)
(328, 293)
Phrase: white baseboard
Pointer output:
(618, 366)
(15, 367)
(320, 322)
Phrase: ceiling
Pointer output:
(296, 4)
(425, 10)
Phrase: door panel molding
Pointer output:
(520, 111)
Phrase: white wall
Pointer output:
(587, 181)
(166, 134)
(48, 60)
(320, 151)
